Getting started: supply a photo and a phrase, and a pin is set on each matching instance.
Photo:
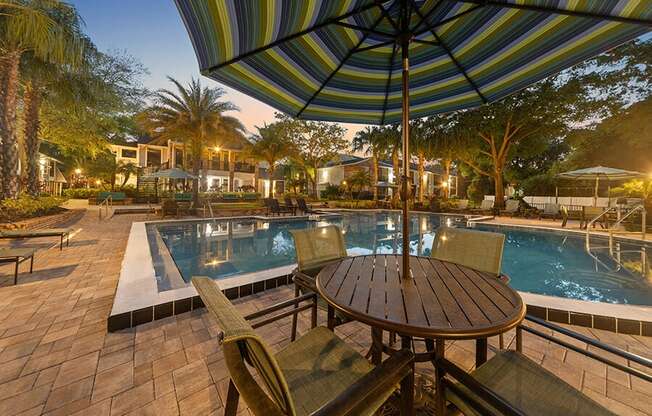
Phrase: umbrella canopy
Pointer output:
(379, 62)
(600, 172)
(173, 173)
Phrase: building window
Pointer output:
(178, 158)
(153, 157)
(128, 153)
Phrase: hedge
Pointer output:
(24, 207)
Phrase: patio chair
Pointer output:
(318, 374)
(273, 207)
(17, 256)
(169, 207)
(478, 250)
(303, 207)
(486, 207)
(46, 232)
(315, 248)
(511, 207)
(511, 383)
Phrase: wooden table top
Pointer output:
(442, 300)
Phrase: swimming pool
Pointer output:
(537, 261)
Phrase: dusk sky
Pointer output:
(152, 32)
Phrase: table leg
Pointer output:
(480, 351)
(439, 377)
(331, 318)
(376, 345)
(16, 272)
(407, 384)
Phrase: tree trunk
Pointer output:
(447, 176)
(8, 127)
(313, 182)
(32, 103)
(374, 176)
(396, 168)
(421, 175)
(499, 202)
(272, 170)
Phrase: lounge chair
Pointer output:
(289, 204)
(462, 205)
(486, 207)
(511, 381)
(511, 207)
(303, 207)
(315, 248)
(274, 208)
(46, 232)
(589, 213)
(318, 374)
(554, 212)
(17, 256)
(169, 207)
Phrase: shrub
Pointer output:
(29, 207)
(332, 192)
(82, 193)
(354, 204)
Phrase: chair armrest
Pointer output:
(282, 305)
(383, 377)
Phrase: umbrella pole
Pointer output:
(405, 129)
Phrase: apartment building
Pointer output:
(337, 171)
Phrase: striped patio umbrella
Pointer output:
(380, 62)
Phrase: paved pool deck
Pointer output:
(57, 358)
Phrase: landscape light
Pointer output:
(217, 149)
(78, 171)
(98, 182)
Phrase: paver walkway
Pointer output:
(56, 357)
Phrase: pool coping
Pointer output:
(137, 299)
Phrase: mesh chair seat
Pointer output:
(528, 387)
(319, 366)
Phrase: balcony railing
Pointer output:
(244, 167)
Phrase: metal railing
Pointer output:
(107, 204)
(591, 223)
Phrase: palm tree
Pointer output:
(444, 144)
(126, 169)
(390, 139)
(195, 116)
(370, 140)
(420, 145)
(49, 29)
(271, 145)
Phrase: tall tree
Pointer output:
(444, 145)
(196, 116)
(272, 144)
(49, 29)
(370, 141)
(315, 144)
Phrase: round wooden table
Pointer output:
(441, 301)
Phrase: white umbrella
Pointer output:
(600, 172)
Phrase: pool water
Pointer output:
(537, 261)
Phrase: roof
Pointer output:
(345, 160)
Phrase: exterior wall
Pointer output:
(332, 174)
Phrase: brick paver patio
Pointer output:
(56, 357)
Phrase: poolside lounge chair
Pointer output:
(486, 207)
(554, 211)
(46, 232)
(318, 374)
(589, 213)
(461, 205)
(315, 248)
(274, 208)
(289, 204)
(303, 207)
(17, 256)
(511, 207)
